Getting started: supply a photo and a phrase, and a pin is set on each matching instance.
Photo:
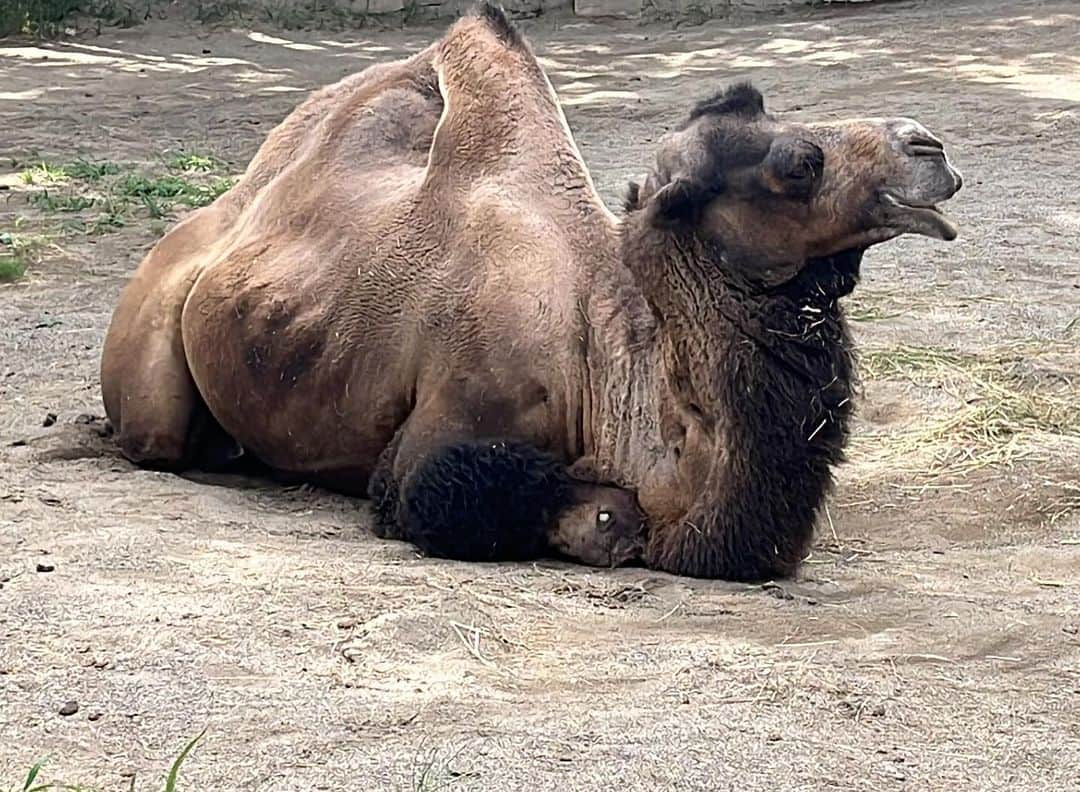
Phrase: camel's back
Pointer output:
(424, 223)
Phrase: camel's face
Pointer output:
(604, 528)
(774, 194)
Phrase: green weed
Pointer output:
(19, 251)
(44, 173)
(106, 222)
(88, 171)
(435, 768)
(64, 202)
(159, 193)
(11, 268)
(193, 162)
(174, 771)
(171, 781)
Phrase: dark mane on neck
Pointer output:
(769, 375)
(831, 276)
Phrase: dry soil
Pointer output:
(930, 642)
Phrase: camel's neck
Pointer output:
(750, 393)
(621, 429)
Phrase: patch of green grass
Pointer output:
(107, 222)
(50, 18)
(86, 170)
(44, 173)
(159, 193)
(125, 193)
(35, 17)
(19, 251)
(212, 11)
(11, 268)
(193, 162)
(62, 202)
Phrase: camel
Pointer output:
(415, 293)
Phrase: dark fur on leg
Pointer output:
(484, 501)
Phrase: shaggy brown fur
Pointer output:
(416, 259)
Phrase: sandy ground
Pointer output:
(931, 641)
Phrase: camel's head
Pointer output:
(774, 194)
(603, 527)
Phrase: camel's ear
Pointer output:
(680, 201)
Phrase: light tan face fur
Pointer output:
(775, 194)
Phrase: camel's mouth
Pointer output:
(918, 218)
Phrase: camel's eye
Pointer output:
(605, 520)
(795, 166)
(801, 171)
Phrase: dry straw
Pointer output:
(1011, 403)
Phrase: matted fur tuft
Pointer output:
(741, 99)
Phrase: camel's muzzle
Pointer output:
(924, 178)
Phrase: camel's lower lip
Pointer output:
(926, 219)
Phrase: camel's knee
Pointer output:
(151, 449)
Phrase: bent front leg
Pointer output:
(500, 501)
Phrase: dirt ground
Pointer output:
(932, 640)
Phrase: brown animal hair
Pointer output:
(688, 361)
(785, 380)
(770, 381)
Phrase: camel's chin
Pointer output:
(927, 220)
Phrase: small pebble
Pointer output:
(50, 419)
(93, 716)
(45, 567)
(69, 708)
